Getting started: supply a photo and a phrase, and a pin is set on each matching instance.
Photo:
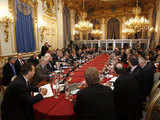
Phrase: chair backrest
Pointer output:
(153, 91)
(13, 78)
(151, 105)
(2, 89)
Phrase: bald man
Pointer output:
(96, 101)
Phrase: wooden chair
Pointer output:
(152, 106)
(2, 91)
(153, 91)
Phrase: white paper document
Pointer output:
(74, 91)
(113, 79)
(49, 91)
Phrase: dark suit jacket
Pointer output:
(137, 73)
(18, 66)
(126, 97)
(44, 50)
(41, 74)
(55, 57)
(34, 61)
(95, 103)
(139, 77)
(17, 102)
(124, 58)
(7, 74)
(148, 73)
(50, 66)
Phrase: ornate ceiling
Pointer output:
(103, 8)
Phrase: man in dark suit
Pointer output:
(42, 73)
(18, 64)
(34, 59)
(148, 73)
(96, 101)
(123, 56)
(44, 49)
(17, 102)
(126, 97)
(137, 73)
(136, 70)
(8, 71)
(51, 63)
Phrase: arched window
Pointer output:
(113, 29)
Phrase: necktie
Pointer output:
(50, 64)
(28, 85)
(21, 61)
(13, 68)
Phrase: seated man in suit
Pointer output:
(42, 73)
(34, 59)
(96, 101)
(126, 97)
(19, 63)
(51, 64)
(18, 101)
(123, 56)
(8, 71)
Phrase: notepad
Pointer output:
(73, 92)
(49, 91)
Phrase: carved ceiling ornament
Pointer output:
(48, 7)
(23, 7)
(100, 9)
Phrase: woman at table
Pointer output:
(96, 101)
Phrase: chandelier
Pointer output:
(128, 31)
(96, 32)
(138, 23)
(83, 25)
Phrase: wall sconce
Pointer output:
(5, 21)
(42, 30)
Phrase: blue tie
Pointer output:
(13, 68)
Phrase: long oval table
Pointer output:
(62, 109)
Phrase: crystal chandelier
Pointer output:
(128, 31)
(96, 32)
(83, 25)
(138, 23)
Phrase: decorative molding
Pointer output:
(50, 19)
(11, 7)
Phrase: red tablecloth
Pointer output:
(62, 109)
